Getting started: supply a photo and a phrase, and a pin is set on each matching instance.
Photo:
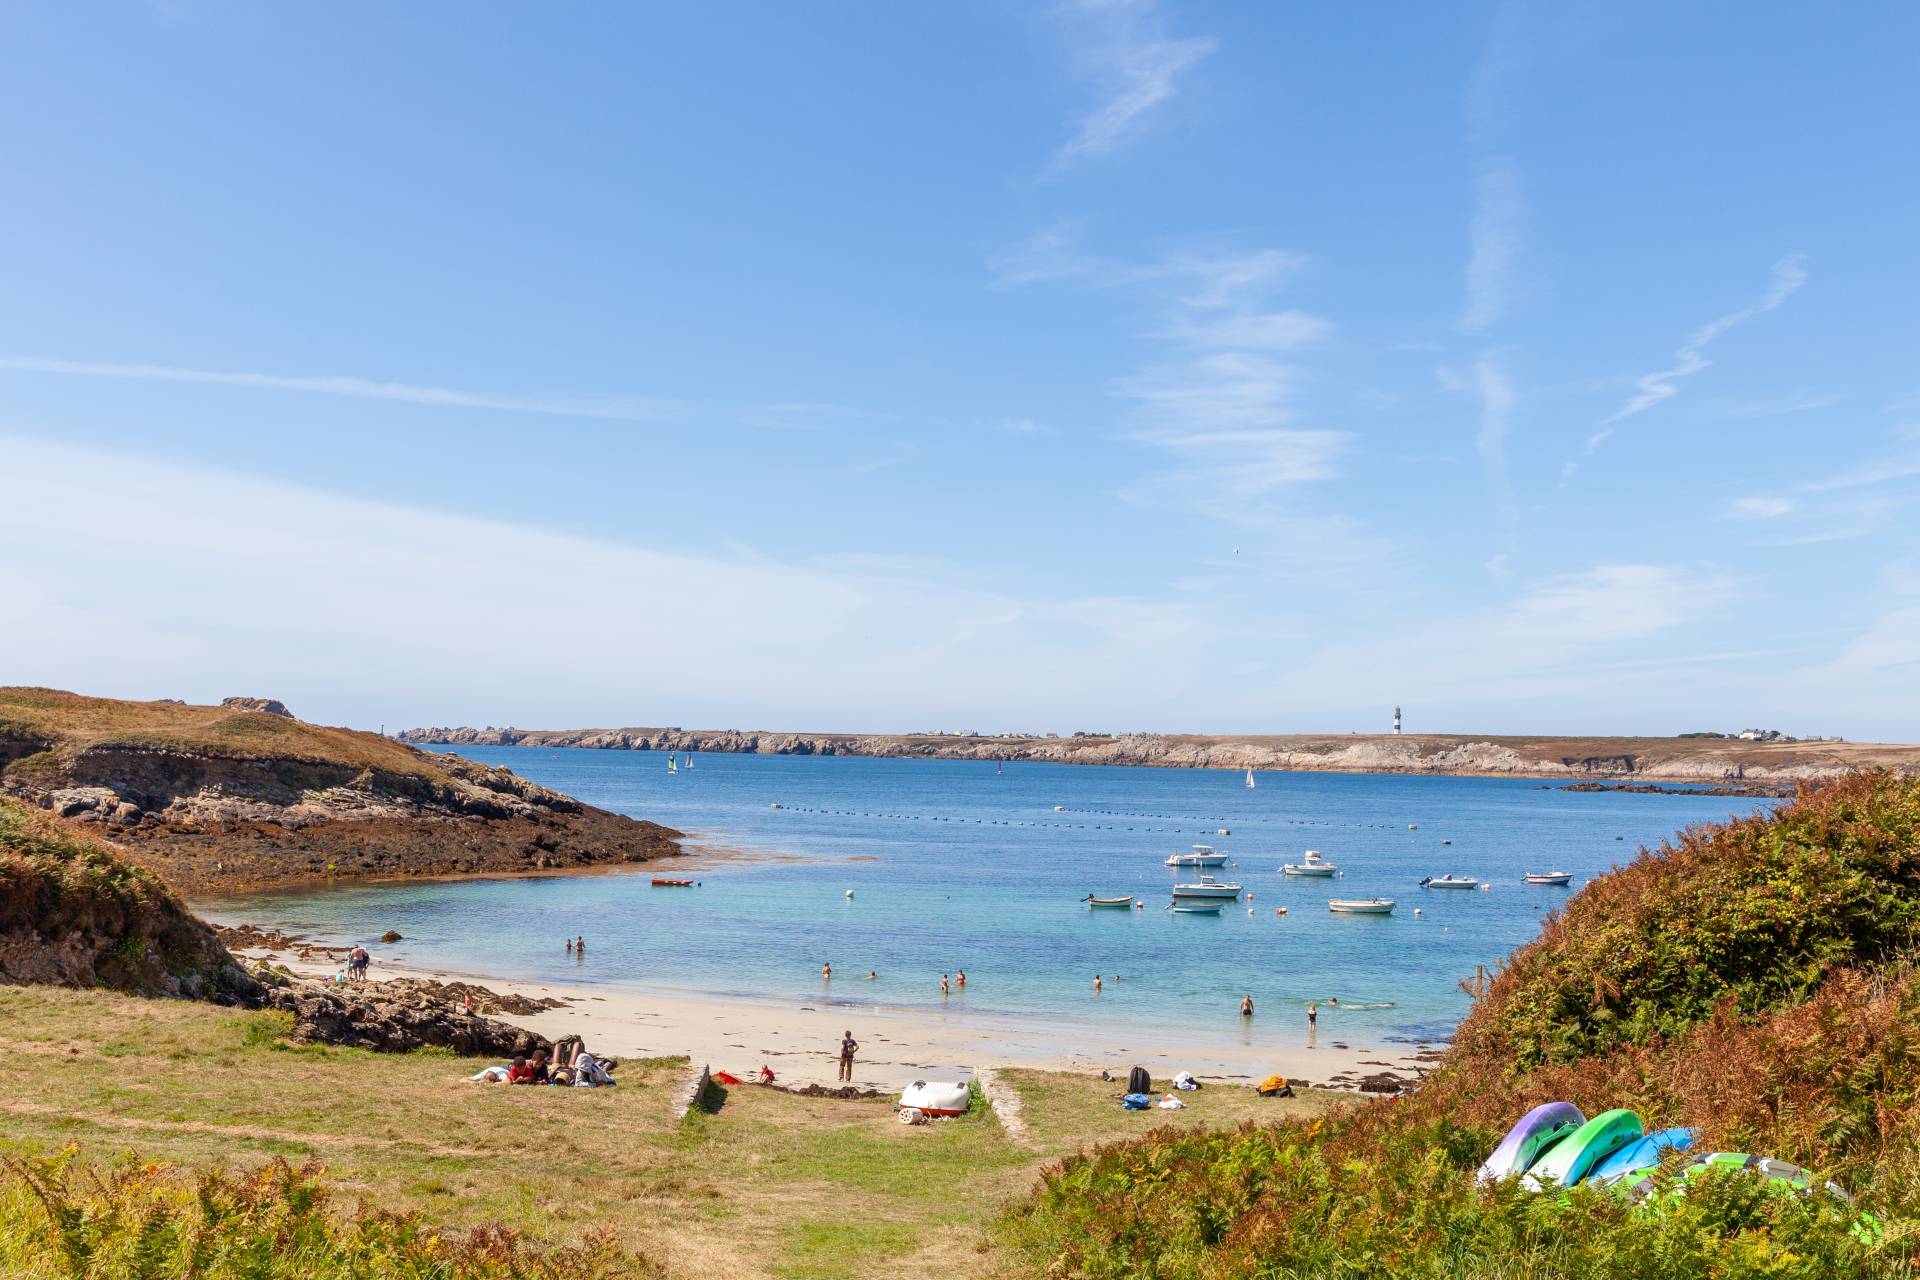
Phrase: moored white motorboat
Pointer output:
(1206, 887)
(1192, 907)
(1361, 906)
(1203, 855)
(1311, 865)
(1449, 881)
(1549, 877)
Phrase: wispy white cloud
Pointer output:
(1123, 47)
(1663, 384)
(1497, 400)
(1778, 406)
(1759, 508)
(1252, 331)
(625, 409)
(1499, 213)
(1862, 477)
(1025, 427)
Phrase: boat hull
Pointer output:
(1195, 908)
(1225, 892)
(1189, 860)
(1452, 884)
(1554, 877)
(1122, 903)
(1345, 907)
(1319, 873)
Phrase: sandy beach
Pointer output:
(897, 1046)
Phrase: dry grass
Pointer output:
(1065, 1110)
(73, 723)
(769, 1185)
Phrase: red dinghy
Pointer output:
(662, 883)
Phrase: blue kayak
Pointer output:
(1644, 1154)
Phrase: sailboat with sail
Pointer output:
(672, 763)
(1249, 779)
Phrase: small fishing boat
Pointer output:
(1312, 865)
(1123, 903)
(1549, 877)
(1206, 887)
(661, 882)
(1203, 855)
(1361, 906)
(1195, 908)
(1449, 881)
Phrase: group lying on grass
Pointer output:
(571, 1065)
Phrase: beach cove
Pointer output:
(955, 865)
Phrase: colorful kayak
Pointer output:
(1644, 1154)
(1570, 1159)
(1539, 1129)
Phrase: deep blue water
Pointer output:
(956, 867)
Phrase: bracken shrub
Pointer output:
(1755, 980)
(63, 1221)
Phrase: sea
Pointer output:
(914, 869)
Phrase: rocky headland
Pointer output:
(1691, 760)
(243, 795)
(76, 912)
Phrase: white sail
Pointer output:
(1249, 779)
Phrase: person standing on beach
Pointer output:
(848, 1047)
(1313, 1015)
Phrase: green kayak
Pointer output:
(1567, 1161)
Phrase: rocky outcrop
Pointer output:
(387, 1018)
(271, 706)
(1664, 759)
(243, 795)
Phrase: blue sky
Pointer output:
(1106, 365)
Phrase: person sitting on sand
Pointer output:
(766, 1074)
(1246, 1005)
(520, 1072)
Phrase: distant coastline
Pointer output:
(1708, 761)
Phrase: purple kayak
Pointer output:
(1527, 1141)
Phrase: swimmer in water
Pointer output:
(1246, 1005)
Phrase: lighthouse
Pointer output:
(1396, 721)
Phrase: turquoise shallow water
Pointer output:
(956, 867)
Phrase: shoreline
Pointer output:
(1690, 761)
(797, 1037)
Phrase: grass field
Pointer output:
(72, 722)
(763, 1184)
